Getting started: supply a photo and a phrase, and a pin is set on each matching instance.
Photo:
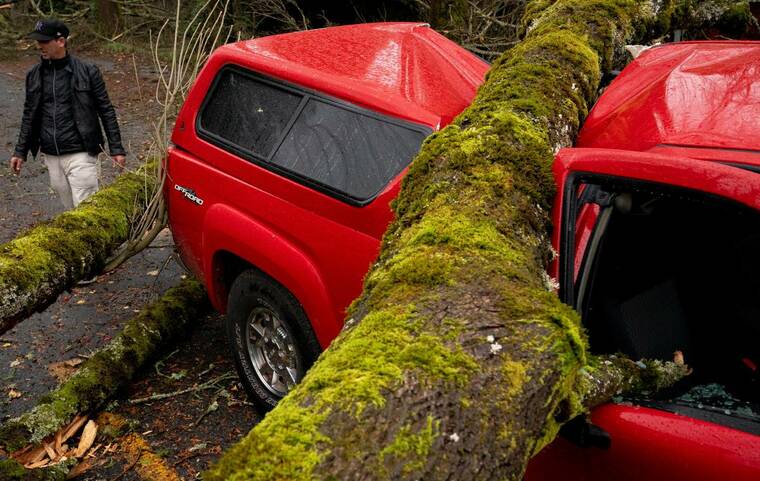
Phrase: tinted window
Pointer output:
(347, 151)
(248, 113)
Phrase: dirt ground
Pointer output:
(186, 431)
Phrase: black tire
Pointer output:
(269, 334)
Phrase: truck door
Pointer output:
(659, 254)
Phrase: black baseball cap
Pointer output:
(49, 29)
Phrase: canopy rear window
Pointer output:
(332, 146)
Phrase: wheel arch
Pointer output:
(235, 242)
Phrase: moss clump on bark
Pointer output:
(409, 450)
(11, 470)
(39, 264)
(110, 368)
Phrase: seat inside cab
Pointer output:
(671, 270)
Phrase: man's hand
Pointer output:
(119, 160)
(16, 163)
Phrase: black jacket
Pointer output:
(90, 107)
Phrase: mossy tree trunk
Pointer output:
(110, 368)
(458, 361)
(39, 264)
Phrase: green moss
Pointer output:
(111, 367)
(353, 380)
(514, 376)
(289, 444)
(10, 470)
(410, 449)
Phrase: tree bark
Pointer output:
(459, 361)
(51, 257)
(108, 17)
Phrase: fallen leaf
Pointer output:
(13, 394)
(88, 437)
(15, 363)
(7, 344)
(197, 447)
(81, 301)
(35, 456)
(64, 369)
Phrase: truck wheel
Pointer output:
(271, 337)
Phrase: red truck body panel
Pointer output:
(318, 247)
(700, 98)
(665, 447)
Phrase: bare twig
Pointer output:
(212, 384)
(190, 50)
(137, 80)
(488, 28)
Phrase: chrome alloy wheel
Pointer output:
(272, 351)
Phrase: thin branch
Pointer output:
(212, 384)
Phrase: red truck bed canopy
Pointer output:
(697, 99)
(406, 70)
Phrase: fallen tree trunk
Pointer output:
(102, 375)
(51, 257)
(458, 361)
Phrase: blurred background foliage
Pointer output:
(486, 27)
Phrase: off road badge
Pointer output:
(189, 194)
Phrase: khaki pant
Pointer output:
(73, 176)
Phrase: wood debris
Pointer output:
(55, 449)
(87, 438)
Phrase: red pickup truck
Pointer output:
(290, 148)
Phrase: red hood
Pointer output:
(699, 97)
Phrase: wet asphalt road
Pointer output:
(85, 318)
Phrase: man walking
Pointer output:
(66, 100)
